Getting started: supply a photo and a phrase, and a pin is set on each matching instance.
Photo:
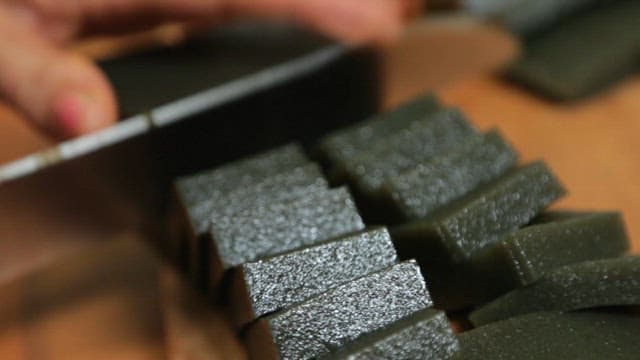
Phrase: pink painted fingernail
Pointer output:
(75, 114)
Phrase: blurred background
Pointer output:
(78, 278)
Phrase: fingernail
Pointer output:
(76, 113)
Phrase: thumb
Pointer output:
(62, 93)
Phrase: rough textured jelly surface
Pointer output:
(281, 281)
(407, 148)
(280, 187)
(417, 193)
(275, 228)
(346, 143)
(338, 316)
(210, 184)
(501, 207)
(424, 335)
(527, 254)
(554, 336)
(590, 284)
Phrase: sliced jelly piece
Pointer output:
(208, 184)
(482, 217)
(609, 282)
(527, 254)
(279, 227)
(555, 336)
(563, 63)
(424, 335)
(195, 189)
(417, 193)
(445, 242)
(279, 187)
(407, 148)
(340, 315)
(274, 283)
(348, 142)
(282, 187)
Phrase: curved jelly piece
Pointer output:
(609, 282)
(554, 336)
(525, 255)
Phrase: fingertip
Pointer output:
(76, 113)
(83, 103)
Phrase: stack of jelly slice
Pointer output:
(341, 315)
(277, 227)
(308, 279)
(200, 194)
(292, 245)
(274, 283)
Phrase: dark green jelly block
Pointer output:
(598, 283)
(339, 316)
(555, 336)
(278, 188)
(526, 255)
(271, 284)
(417, 193)
(202, 186)
(404, 150)
(564, 63)
(485, 215)
(444, 243)
(424, 335)
(195, 189)
(348, 142)
(277, 227)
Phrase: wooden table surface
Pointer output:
(85, 306)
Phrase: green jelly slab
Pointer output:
(278, 188)
(278, 227)
(347, 143)
(338, 316)
(193, 190)
(583, 53)
(202, 186)
(281, 186)
(404, 150)
(610, 282)
(424, 335)
(445, 242)
(418, 193)
(261, 287)
(554, 336)
(526, 255)
(484, 216)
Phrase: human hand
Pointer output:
(66, 95)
